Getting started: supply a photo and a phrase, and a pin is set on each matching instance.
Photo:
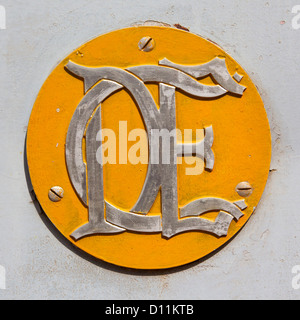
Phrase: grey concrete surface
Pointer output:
(258, 263)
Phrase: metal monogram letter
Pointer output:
(99, 84)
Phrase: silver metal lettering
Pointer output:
(97, 224)
(99, 84)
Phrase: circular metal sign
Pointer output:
(149, 147)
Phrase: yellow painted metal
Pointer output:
(242, 147)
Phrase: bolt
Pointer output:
(244, 189)
(146, 44)
(56, 194)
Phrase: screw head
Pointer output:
(56, 194)
(244, 189)
(146, 44)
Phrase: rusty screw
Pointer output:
(56, 194)
(146, 44)
(244, 189)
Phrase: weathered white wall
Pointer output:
(258, 263)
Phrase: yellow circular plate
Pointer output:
(241, 146)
